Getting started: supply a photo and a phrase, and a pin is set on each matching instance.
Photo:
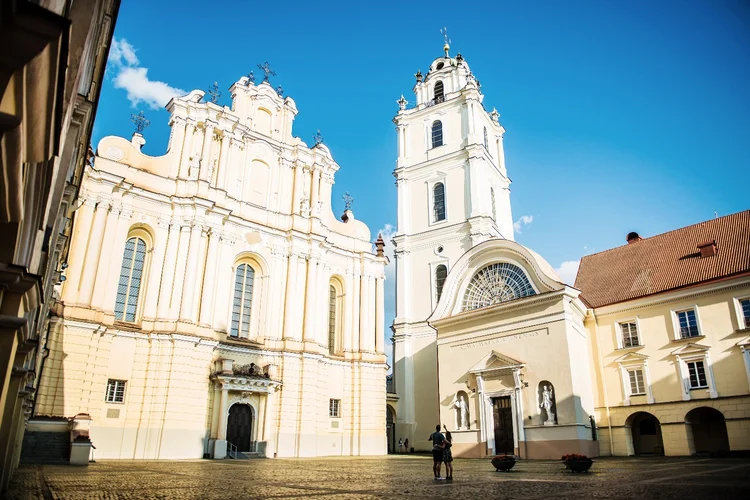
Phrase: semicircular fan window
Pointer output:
(496, 283)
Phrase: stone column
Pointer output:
(167, 282)
(155, 269)
(184, 170)
(82, 227)
(179, 125)
(104, 265)
(209, 279)
(93, 252)
(311, 307)
(315, 191)
(356, 294)
(224, 282)
(229, 178)
(223, 409)
(188, 288)
(364, 315)
(200, 274)
(116, 249)
(379, 316)
(299, 181)
(482, 411)
(223, 160)
(208, 139)
(291, 286)
(299, 298)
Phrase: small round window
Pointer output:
(439, 65)
(439, 249)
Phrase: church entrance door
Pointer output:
(240, 426)
(502, 414)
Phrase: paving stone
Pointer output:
(407, 476)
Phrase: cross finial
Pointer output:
(250, 78)
(140, 122)
(348, 200)
(214, 92)
(318, 137)
(444, 32)
(266, 69)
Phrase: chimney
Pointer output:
(708, 248)
(633, 237)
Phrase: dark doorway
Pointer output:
(240, 426)
(390, 429)
(645, 430)
(502, 414)
(709, 430)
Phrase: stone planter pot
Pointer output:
(79, 453)
(579, 465)
(503, 465)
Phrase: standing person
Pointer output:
(438, 444)
(448, 455)
(400, 445)
(406, 445)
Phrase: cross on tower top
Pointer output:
(266, 69)
(348, 200)
(140, 122)
(214, 92)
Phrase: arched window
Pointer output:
(439, 92)
(332, 319)
(438, 202)
(496, 283)
(243, 300)
(486, 144)
(131, 274)
(441, 272)
(437, 133)
(492, 199)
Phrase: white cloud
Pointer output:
(130, 76)
(524, 220)
(568, 270)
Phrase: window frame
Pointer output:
(334, 408)
(124, 384)
(433, 278)
(486, 140)
(336, 283)
(640, 385)
(632, 362)
(253, 311)
(697, 374)
(742, 323)
(430, 184)
(145, 236)
(689, 353)
(435, 98)
(676, 322)
(431, 128)
(619, 335)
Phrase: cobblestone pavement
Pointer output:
(387, 477)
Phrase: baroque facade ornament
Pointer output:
(496, 283)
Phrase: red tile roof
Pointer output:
(666, 261)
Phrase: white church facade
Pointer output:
(214, 303)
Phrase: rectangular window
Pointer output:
(688, 324)
(636, 382)
(334, 408)
(745, 310)
(115, 391)
(697, 375)
(629, 334)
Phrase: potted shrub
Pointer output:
(576, 462)
(503, 462)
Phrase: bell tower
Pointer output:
(453, 193)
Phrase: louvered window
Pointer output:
(129, 285)
(437, 133)
(438, 202)
(243, 300)
(439, 92)
(441, 272)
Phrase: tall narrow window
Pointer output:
(439, 92)
(697, 373)
(129, 286)
(637, 387)
(492, 199)
(332, 319)
(688, 324)
(441, 272)
(438, 202)
(243, 300)
(486, 144)
(629, 334)
(437, 133)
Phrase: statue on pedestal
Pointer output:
(547, 403)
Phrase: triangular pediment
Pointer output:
(496, 361)
(744, 342)
(631, 357)
(690, 348)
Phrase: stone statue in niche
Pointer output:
(461, 407)
(547, 403)
(194, 167)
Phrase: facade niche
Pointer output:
(547, 403)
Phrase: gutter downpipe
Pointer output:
(604, 383)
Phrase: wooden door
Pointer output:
(503, 418)
(240, 426)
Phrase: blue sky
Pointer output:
(620, 116)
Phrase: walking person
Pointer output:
(400, 445)
(438, 444)
(448, 455)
